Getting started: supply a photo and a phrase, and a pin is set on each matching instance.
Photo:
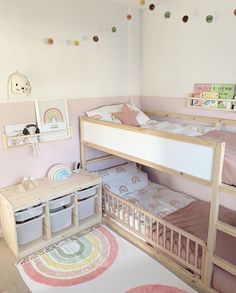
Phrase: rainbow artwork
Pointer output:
(53, 115)
(59, 172)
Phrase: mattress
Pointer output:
(158, 200)
(187, 129)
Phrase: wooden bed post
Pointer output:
(82, 146)
(214, 211)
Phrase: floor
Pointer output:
(10, 280)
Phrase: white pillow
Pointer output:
(106, 113)
(123, 179)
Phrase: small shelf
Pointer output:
(26, 140)
(214, 105)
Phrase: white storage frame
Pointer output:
(12, 201)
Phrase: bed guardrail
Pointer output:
(183, 247)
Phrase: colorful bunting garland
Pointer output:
(76, 43)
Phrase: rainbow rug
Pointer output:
(97, 261)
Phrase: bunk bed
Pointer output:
(199, 159)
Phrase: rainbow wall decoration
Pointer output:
(59, 172)
(53, 115)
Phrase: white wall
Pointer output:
(176, 55)
(108, 68)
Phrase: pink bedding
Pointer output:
(194, 219)
(229, 170)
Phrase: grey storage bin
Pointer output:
(57, 204)
(81, 194)
(86, 207)
(61, 219)
(29, 213)
(30, 230)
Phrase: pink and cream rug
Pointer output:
(99, 261)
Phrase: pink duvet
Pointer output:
(229, 170)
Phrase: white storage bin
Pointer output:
(56, 204)
(29, 213)
(29, 231)
(61, 219)
(81, 194)
(86, 207)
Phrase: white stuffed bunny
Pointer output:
(18, 85)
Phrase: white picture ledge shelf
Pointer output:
(26, 140)
(212, 104)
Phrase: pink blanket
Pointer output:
(229, 170)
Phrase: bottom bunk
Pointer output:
(169, 221)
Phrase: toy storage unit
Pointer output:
(50, 212)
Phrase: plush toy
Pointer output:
(18, 85)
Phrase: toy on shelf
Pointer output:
(31, 130)
(59, 172)
(26, 184)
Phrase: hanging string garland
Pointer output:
(95, 38)
(167, 14)
(129, 16)
(114, 29)
(185, 18)
(209, 18)
(142, 2)
(50, 41)
(152, 7)
(76, 43)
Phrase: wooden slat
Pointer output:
(214, 211)
(227, 266)
(226, 228)
(228, 189)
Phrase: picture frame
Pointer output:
(52, 118)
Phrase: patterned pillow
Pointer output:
(106, 113)
(123, 179)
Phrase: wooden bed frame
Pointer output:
(196, 159)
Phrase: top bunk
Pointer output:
(195, 152)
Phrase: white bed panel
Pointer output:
(191, 159)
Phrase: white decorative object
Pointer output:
(18, 85)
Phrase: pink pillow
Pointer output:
(127, 116)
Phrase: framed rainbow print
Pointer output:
(52, 116)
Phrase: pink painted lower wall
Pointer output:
(178, 105)
(15, 163)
